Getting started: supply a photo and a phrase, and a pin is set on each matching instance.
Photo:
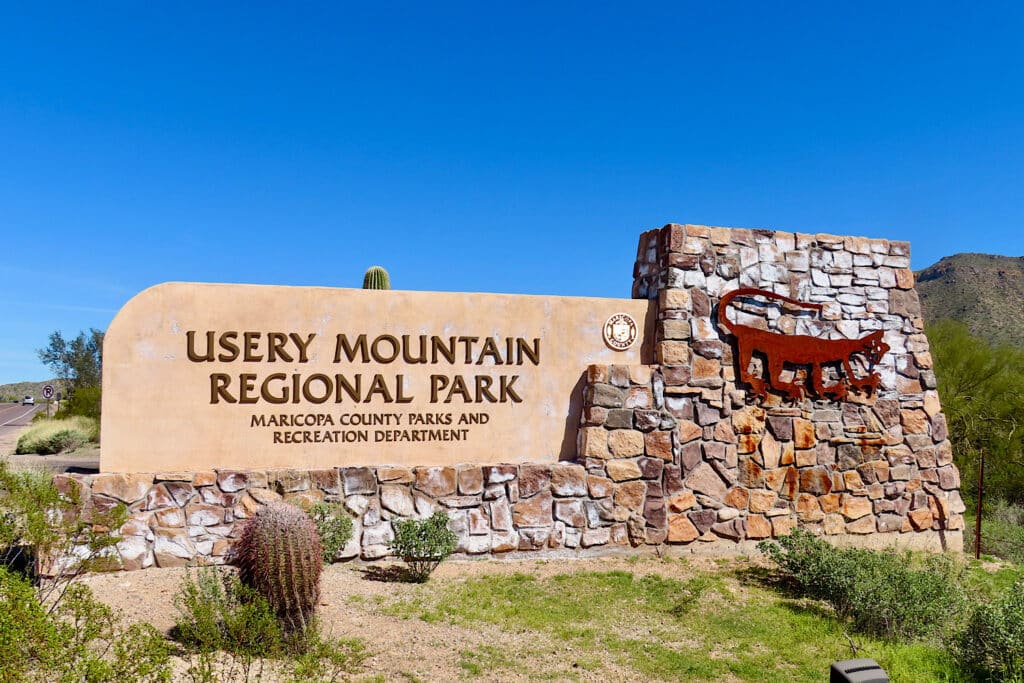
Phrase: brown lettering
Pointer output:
(341, 344)
(219, 382)
(276, 342)
(265, 389)
(227, 342)
(251, 344)
(207, 357)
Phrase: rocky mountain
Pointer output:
(984, 291)
(10, 392)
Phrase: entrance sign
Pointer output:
(257, 377)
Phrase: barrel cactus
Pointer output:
(376, 278)
(280, 556)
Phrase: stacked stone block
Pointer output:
(880, 463)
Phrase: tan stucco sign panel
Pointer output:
(242, 376)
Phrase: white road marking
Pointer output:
(31, 410)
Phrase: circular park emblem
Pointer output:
(620, 331)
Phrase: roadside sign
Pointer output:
(48, 392)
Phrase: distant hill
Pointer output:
(18, 390)
(984, 291)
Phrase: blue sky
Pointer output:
(503, 147)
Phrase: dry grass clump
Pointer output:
(57, 436)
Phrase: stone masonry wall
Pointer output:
(879, 466)
(671, 455)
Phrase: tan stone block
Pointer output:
(471, 480)
(304, 499)
(761, 500)
(864, 525)
(622, 470)
(674, 300)
(640, 374)
(568, 480)
(914, 421)
(682, 501)
(597, 374)
(803, 433)
(758, 527)
(594, 442)
(599, 487)
(625, 443)
(127, 488)
(631, 494)
(788, 456)
(806, 458)
(705, 368)
(395, 475)
(747, 443)
(749, 420)
(783, 526)
(673, 353)
(852, 480)
(204, 478)
(688, 431)
(904, 278)
(436, 481)
(724, 432)
(931, 403)
(830, 502)
(808, 509)
(681, 529)
(658, 445)
(855, 507)
(771, 451)
(833, 524)
(920, 519)
(533, 512)
(737, 497)
(704, 479)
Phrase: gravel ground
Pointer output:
(408, 649)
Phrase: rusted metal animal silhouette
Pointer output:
(779, 350)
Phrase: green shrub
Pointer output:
(84, 402)
(77, 639)
(991, 646)
(423, 544)
(57, 436)
(334, 526)
(886, 594)
(230, 631)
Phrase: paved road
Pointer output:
(14, 418)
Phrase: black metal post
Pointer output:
(981, 494)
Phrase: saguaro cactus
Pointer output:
(376, 278)
(279, 555)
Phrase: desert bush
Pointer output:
(334, 526)
(279, 554)
(57, 436)
(886, 594)
(423, 544)
(74, 639)
(991, 645)
(232, 633)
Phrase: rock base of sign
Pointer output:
(543, 510)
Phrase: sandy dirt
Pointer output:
(409, 649)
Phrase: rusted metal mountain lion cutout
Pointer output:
(781, 352)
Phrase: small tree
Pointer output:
(79, 361)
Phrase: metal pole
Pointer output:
(981, 493)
